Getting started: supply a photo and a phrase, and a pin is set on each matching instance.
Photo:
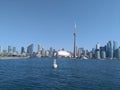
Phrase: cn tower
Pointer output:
(74, 52)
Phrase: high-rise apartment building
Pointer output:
(30, 49)
(109, 50)
(39, 48)
(51, 52)
(9, 49)
(98, 54)
(0, 49)
(115, 47)
(118, 53)
(98, 46)
(14, 49)
(103, 55)
(22, 50)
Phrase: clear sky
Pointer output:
(51, 22)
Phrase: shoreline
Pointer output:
(9, 58)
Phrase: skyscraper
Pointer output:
(14, 49)
(118, 53)
(98, 46)
(39, 48)
(103, 54)
(74, 52)
(30, 49)
(115, 46)
(9, 49)
(109, 50)
(51, 52)
(43, 52)
(97, 54)
(0, 49)
(79, 53)
(22, 50)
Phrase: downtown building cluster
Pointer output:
(29, 51)
(108, 51)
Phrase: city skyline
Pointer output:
(51, 23)
(111, 50)
(36, 48)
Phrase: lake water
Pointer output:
(37, 74)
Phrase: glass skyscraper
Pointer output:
(9, 49)
(22, 50)
(109, 50)
(115, 46)
(30, 49)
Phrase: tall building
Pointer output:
(97, 51)
(43, 52)
(47, 53)
(115, 47)
(0, 49)
(74, 52)
(93, 52)
(90, 54)
(98, 54)
(30, 49)
(14, 49)
(51, 52)
(9, 49)
(103, 54)
(85, 52)
(118, 53)
(109, 50)
(39, 48)
(22, 50)
(97, 46)
(79, 53)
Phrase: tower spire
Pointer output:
(74, 52)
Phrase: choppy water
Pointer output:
(37, 74)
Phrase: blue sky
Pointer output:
(51, 22)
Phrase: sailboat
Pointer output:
(54, 64)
